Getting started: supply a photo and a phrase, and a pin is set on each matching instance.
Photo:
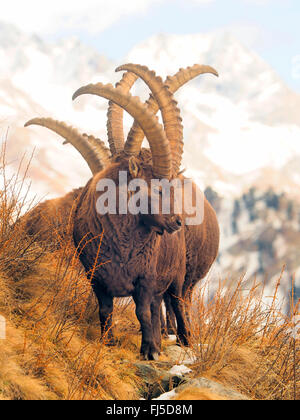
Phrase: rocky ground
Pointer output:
(174, 380)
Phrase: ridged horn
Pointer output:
(185, 75)
(159, 145)
(101, 150)
(135, 137)
(168, 107)
(73, 137)
(115, 133)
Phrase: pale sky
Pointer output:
(270, 27)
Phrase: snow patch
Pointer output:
(180, 370)
(167, 395)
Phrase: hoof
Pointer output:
(144, 356)
(151, 357)
(150, 354)
(154, 356)
(109, 342)
(164, 334)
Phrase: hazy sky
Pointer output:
(271, 27)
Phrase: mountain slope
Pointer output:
(242, 122)
(38, 79)
(260, 239)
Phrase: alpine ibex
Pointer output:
(201, 241)
(144, 254)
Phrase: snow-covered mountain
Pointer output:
(260, 239)
(244, 123)
(38, 79)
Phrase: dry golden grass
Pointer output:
(17, 252)
(52, 348)
(244, 343)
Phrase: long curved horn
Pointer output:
(115, 133)
(99, 146)
(135, 137)
(185, 75)
(72, 136)
(169, 110)
(159, 145)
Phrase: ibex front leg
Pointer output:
(105, 314)
(143, 297)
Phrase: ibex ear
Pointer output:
(133, 167)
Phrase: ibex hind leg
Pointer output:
(179, 311)
(188, 307)
(170, 315)
(156, 320)
(105, 314)
(163, 324)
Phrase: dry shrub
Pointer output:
(18, 253)
(242, 342)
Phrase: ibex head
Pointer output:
(165, 142)
(162, 162)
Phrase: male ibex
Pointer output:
(145, 254)
(201, 241)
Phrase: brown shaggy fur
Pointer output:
(49, 221)
(138, 256)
